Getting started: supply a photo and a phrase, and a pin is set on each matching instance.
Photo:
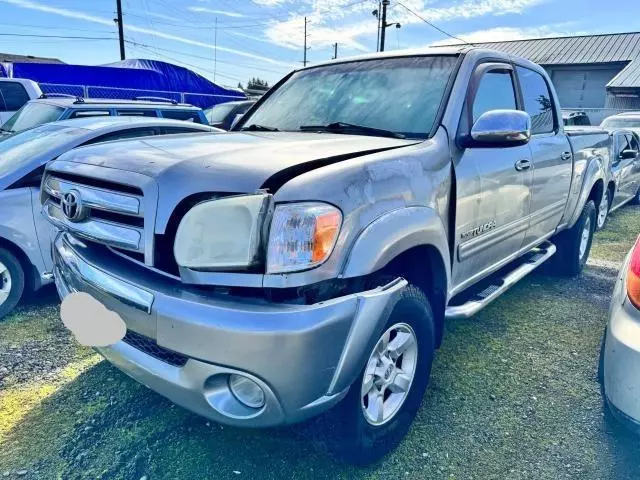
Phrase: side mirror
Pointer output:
(236, 119)
(501, 128)
(628, 154)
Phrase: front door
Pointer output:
(493, 191)
(552, 158)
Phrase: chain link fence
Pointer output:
(198, 99)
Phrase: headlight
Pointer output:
(222, 234)
(302, 236)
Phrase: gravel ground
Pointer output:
(513, 395)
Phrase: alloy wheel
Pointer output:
(584, 239)
(603, 210)
(389, 374)
(5, 283)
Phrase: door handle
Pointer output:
(566, 156)
(523, 165)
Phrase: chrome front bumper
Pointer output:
(304, 357)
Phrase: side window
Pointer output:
(136, 113)
(633, 142)
(186, 115)
(495, 92)
(123, 135)
(14, 95)
(622, 143)
(90, 113)
(537, 101)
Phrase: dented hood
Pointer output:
(229, 162)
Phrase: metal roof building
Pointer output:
(12, 58)
(590, 71)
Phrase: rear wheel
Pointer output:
(603, 209)
(381, 404)
(11, 282)
(574, 244)
(636, 198)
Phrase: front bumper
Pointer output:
(622, 354)
(304, 357)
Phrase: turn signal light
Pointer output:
(633, 275)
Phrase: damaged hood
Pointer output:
(229, 162)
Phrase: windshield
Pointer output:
(219, 112)
(401, 95)
(31, 115)
(19, 149)
(621, 123)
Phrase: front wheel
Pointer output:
(380, 407)
(11, 282)
(574, 244)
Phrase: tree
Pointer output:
(240, 86)
(257, 84)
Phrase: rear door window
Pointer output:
(537, 101)
(90, 113)
(622, 144)
(186, 115)
(14, 95)
(136, 113)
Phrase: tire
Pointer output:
(11, 282)
(603, 210)
(354, 436)
(572, 253)
(636, 198)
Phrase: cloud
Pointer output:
(63, 12)
(501, 34)
(215, 12)
(269, 3)
(324, 15)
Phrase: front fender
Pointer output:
(394, 233)
(591, 175)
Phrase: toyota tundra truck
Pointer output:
(305, 262)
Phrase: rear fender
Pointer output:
(591, 175)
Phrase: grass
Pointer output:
(513, 396)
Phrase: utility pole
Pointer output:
(120, 29)
(215, 50)
(335, 51)
(383, 31)
(378, 37)
(304, 61)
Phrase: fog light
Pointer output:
(246, 391)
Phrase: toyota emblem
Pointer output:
(72, 206)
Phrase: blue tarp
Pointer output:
(147, 76)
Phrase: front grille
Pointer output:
(150, 347)
(110, 213)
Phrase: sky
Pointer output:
(231, 41)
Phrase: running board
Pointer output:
(495, 286)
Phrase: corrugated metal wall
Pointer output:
(582, 86)
(624, 102)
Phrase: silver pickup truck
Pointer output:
(307, 260)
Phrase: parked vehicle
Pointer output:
(622, 171)
(14, 93)
(25, 235)
(52, 108)
(571, 118)
(307, 260)
(619, 369)
(623, 185)
(628, 120)
(223, 114)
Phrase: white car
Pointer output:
(619, 369)
(25, 235)
(14, 93)
(626, 120)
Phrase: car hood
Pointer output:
(229, 162)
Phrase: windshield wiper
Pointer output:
(343, 127)
(258, 128)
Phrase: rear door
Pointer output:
(624, 170)
(493, 195)
(12, 97)
(552, 159)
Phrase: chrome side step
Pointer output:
(496, 286)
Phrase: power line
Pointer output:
(429, 23)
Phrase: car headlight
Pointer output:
(302, 236)
(222, 234)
